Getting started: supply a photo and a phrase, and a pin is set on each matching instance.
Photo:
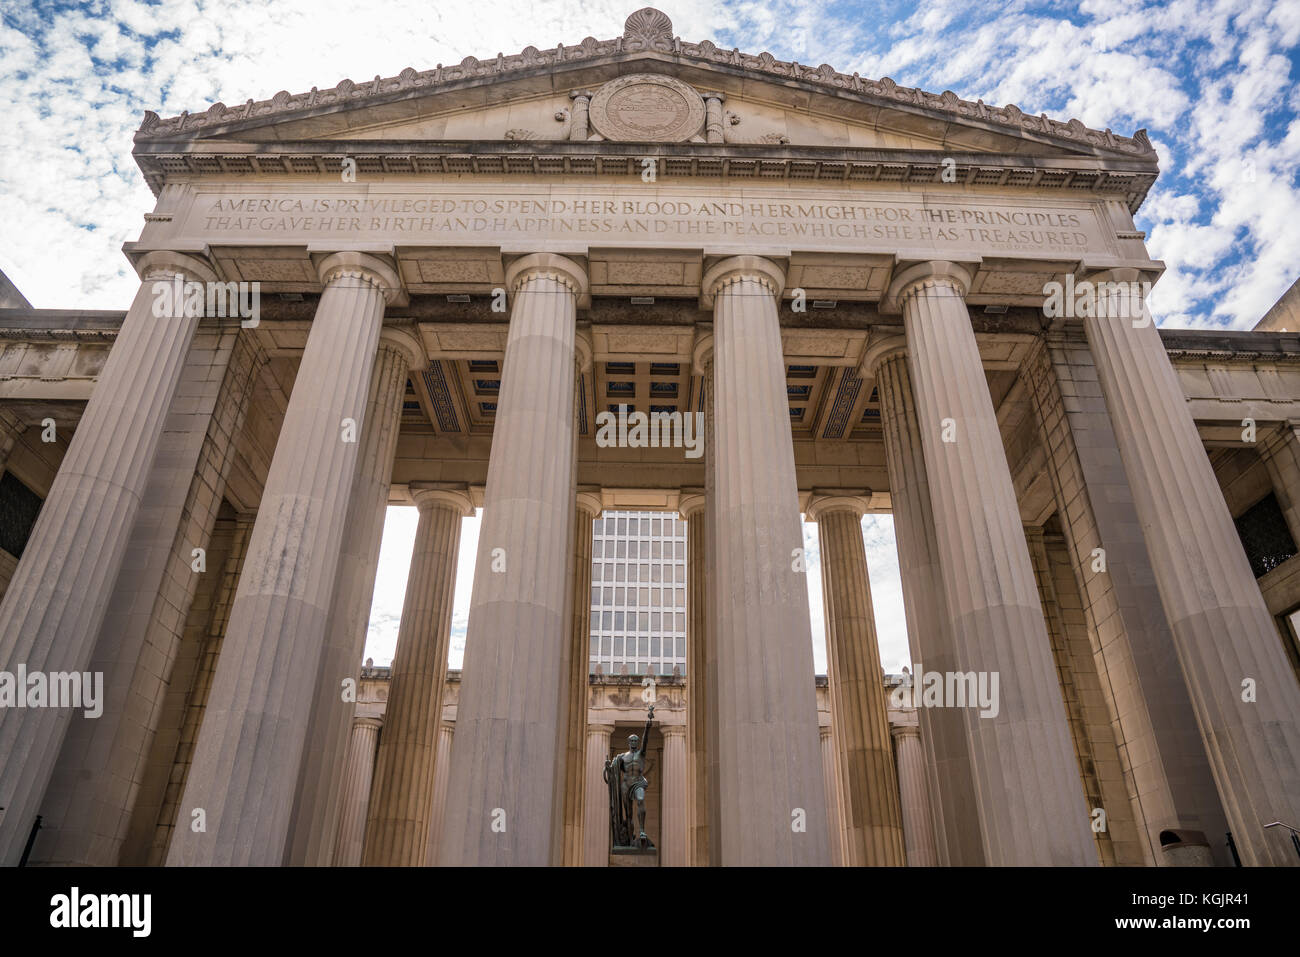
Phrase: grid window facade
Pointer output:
(638, 593)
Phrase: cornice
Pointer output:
(638, 39)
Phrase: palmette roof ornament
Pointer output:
(645, 30)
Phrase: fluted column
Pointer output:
(1026, 785)
(502, 796)
(595, 826)
(246, 761)
(579, 128)
(831, 781)
(311, 838)
(1243, 691)
(929, 632)
(873, 820)
(441, 771)
(11, 430)
(397, 831)
(575, 736)
(675, 838)
(692, 508)
(57, 598)
(763, 744)
(1280, 453)
(354, 791)
(914, 793)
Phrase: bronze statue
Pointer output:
(625, 775)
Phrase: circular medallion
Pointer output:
(646, 108)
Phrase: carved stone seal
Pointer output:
(647, 108)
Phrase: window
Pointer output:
(656, 526)
(618, 646)
(681, 647)
(655, 598)
(655, 617)
(609, 571)
(605, 645)
(606, 620)
(595, 595)
(654, 646)
(595, 571)
(681, 598)
(618, 621)
(643, 647)
(681, 626)
(595, 645)
(622, 572)
(643, 620)
(656, 572)
(609, 593)
(19, 507)
(681, 551)
(622, 549)
(645, 573)
(645, 526)
(620, 596)
(645, 597)
(657, 549)
(1264, 535)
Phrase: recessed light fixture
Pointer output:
(824, 303)
(458, 297)
(643, 300)
(996, 310)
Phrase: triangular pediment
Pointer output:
(646, 87)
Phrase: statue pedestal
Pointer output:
(633, 857)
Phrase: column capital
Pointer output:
(163, 264)
(735, 269)
(590, 502)
(673, 730)
(827, 501)
(691, 502)
(368, 721)
(550, 266)
(933, 273)
(905, 730)
(583, 94)
(824, 731)
(702, 353)
(457, 499)
(1094, 273)
(879, 349)
(583, 351)
(405, 339)
(604, 729)
(363, 266)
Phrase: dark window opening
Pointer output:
(19, 507)
(1264, 535)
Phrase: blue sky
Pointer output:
(1214, 83)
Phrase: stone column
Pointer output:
(578, 120)
(929, 633)
(595, 826)
(763, 749)
(713, 116)
(354, 791)
(873, 822)
(831, 781)
(247, 757)
(1280, 452)
(11, 430)
(441, 771)
(692, 510)
(676, 796)
(311, 838)
(589, 506)
(501, 803)
(59, 592)
(914, 793)
(1243, 691)
(1032, 811)
(397, 831)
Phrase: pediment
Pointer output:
(644, 87)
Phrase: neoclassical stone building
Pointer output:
(459, 270)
